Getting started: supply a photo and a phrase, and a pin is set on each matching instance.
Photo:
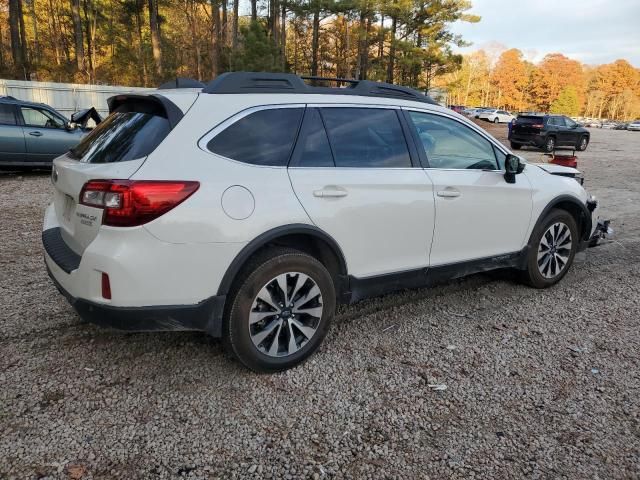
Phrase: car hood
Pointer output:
(553, 168)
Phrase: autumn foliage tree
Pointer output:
(509, 78)
(557, 84)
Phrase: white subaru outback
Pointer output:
(249, 207)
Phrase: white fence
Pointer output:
(65, 97)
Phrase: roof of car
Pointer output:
(15, 101)
(282, 83)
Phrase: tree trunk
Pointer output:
(392, 49)
(315, 40)
(14, 26)
(23, 42)
(141, 56)
(154, 26)
(36, 40)
(234, 35)
(215, 38)
(224, 32)
(77, 31)
(381, 39)
(87, 34)
(254, 10)
(51, 21)
(283, 36)
(1, 47)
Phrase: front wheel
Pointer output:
(552, 248)
(582, 144)
(280, 311)
(515, 146)
(496, 120)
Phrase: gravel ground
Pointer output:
(540, 384)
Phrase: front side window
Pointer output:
(366, 137)
(125, 134)
(7, 116)
(452, 145)
(36, 117)
(264, 137)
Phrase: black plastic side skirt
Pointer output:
(423, 277)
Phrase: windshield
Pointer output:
(123, 135)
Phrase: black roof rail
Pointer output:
(181, 82)
(8, 97)
(267, 82)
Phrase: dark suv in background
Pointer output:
(548, 132)
(33, 134)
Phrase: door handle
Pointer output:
(449, 193)
(330, 192)
(35, 134)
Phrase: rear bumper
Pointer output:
(205, 316)
(530, 140)
(155, 285)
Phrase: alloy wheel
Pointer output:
(285, 314)
(551, 143)
(554, 250)
(583, 143)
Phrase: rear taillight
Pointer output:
(537, 125)
(128, 203)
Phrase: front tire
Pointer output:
(582, 144)
(552, 249)
(280, 310)
(496, 120)
(515, 146)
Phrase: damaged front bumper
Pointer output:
(602, 229)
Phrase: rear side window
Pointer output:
(127, 134)
(264, 137)
(7, 115)
(366, 137)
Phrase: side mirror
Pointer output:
(70, 126)
(512, 167)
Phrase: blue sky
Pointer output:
(591, 31)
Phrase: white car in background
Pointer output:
(250, 207)
(496, 116)
(635, 125)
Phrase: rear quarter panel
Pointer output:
(201, 219)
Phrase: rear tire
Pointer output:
(268, 329)
(582, 143)
(552, 248)
(550, 144)
(515, 146)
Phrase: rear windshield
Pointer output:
(127, 134)
(526, 120)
